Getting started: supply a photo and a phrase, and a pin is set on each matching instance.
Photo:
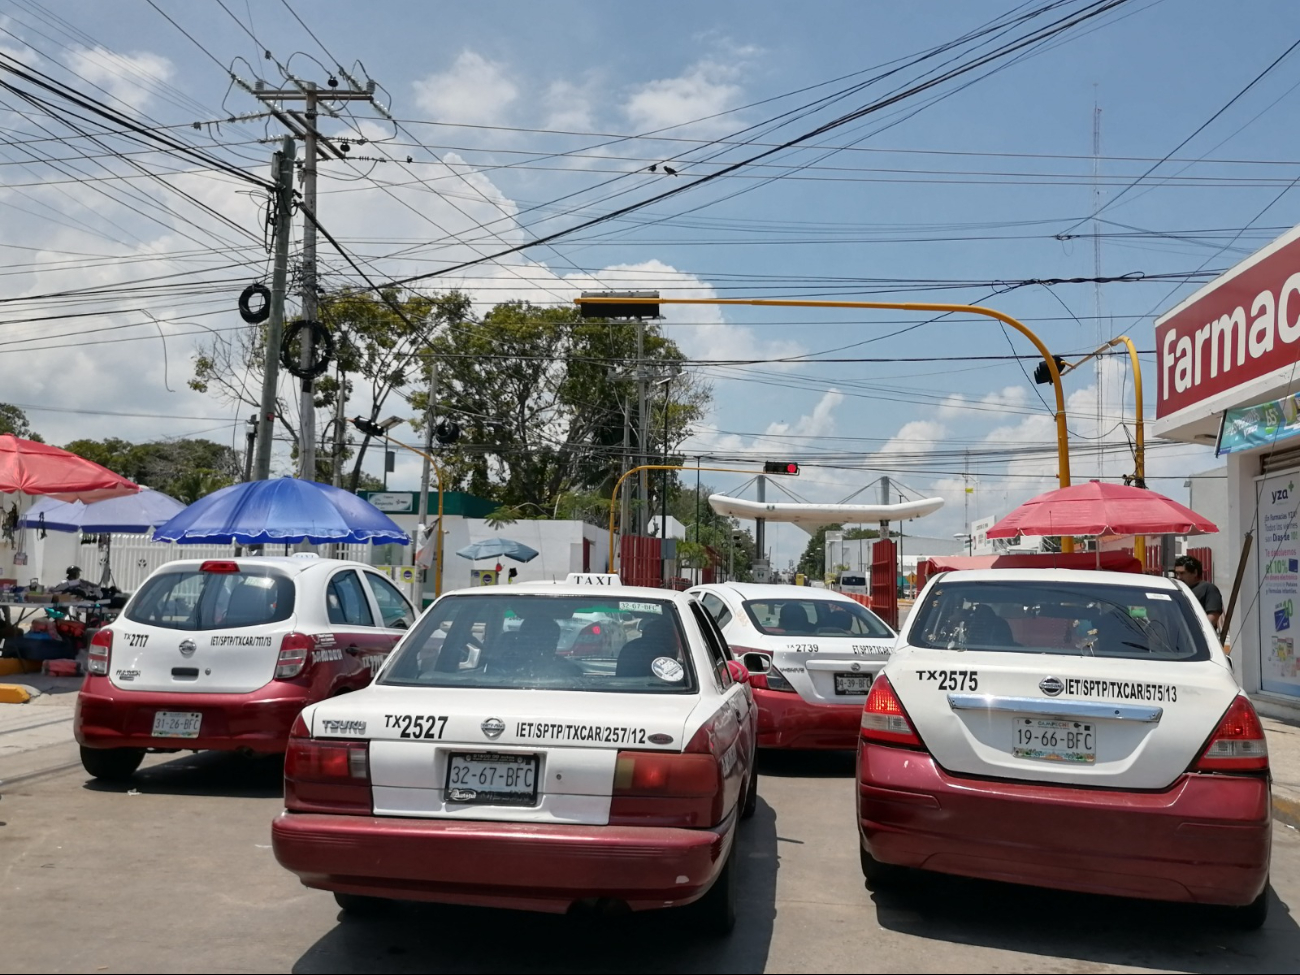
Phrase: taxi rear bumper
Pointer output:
(1206, 839)
(786, 720)
(525, 866)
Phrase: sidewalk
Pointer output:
(1284, 759)
(36, 737)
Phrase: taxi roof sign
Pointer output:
(593, 579)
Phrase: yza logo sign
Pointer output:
(1284, 494)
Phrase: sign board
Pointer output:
(592, 579)
(1240, 327)
(1277, 563)
(1262, 425)
(394, 502)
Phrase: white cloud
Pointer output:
(569, 107)
(819, 423)
(473, 89)
(707, 88)
(129, 78)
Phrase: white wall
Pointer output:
(1209, 497)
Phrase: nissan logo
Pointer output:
(187, 648)
(856, 666)
(493, 727)
(1051, 686)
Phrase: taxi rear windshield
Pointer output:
(569, 643)
(1074, 619)
(190, 599)
(815, 617)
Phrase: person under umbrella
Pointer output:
(1188, 569)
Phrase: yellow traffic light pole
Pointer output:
(613, 495)
(1062, 442)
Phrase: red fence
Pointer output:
(884, 580)
(639, 561)
(1153, 566)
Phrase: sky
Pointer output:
(522, 120)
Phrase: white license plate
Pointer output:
(1054, 740)
(852, 683)
(491, 777)
(177, 724)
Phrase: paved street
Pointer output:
(176, 875)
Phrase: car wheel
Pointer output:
(751, 790)
(1252, 916)
(359, 905)
(111, 764)
(715, 912)
(880, 876)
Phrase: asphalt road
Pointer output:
(178, 876)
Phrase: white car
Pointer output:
(223, 654)
(488, 764)
(812, 656)
(1068, 729)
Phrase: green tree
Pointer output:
(186, 469)
(711, 537)
(542, 397)
(13, 420)
(813, 561)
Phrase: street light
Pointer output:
(380, 430)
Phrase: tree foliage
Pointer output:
(813, 561)
(14, 420)
(185, 469)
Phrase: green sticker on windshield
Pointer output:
(1138, 612)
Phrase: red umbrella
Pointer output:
(40, 469)
(1098, 508)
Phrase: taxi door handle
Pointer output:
(352, 649)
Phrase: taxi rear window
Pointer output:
(521, 640)
(815, 617)
(190, 599)
(1077, 619)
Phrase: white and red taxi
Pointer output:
(224, 653)
(812, 654)
(1066, 729)
(486, 766)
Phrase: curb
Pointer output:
(14, 694)
(1287, 811)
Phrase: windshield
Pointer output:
(520, 640)
(189, 599)
(859, 582)
(816, 617)
(1079, 619)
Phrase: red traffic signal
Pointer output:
(780, 467)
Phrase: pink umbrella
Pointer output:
(1098, 508)
(40, 469)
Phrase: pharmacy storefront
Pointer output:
(1228, 362)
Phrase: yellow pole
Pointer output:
(1139, 437)
(1062, 442)
(613, 495)
(437, 546)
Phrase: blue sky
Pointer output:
(972, 188)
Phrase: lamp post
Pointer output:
(380, 430)
(628, 301)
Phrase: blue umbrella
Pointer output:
(284, 510)
(495, 548)
(131, 513)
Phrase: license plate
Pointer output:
(177, 724)
(852, 683)
(1054, 740)
(493, 778)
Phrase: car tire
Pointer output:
(751, 790)
(111, 764)
(360, 905)
(880, 876)
(715, 912)
(1251, 917)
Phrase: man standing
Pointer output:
(1188, 570)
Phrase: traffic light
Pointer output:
(780, 467)
(1043, 375)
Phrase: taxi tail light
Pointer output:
(884, 722)
(295, 654)
(669, 788)
(1238, 743)
(101, 649)
(326, 776)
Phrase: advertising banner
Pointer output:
(1278, 566)
(1262, 425)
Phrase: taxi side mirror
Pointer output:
(739, 673)
(757, 663)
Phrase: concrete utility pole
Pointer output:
(303, 125)
(643, 430)
(430, 417)
(282, 171)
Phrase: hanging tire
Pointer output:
(111, 764)
(251, 315)
(322, 349)
(359, 905)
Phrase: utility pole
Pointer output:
(303, 125)
(643, 431)
(760, 533)
(426, 471)
(282, 168)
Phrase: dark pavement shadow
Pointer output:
(419, 937)
(790, 763)
(204, 774)
(1088, 927)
